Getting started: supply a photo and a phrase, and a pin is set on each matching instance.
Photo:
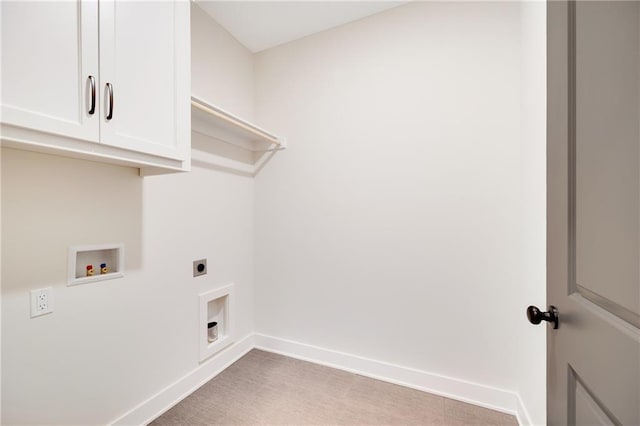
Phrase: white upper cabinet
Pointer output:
(138, 57)
(49, 59)
(107, 80)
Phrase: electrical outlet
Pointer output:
(41, 301)
(199, 267)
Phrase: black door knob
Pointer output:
(536, 316)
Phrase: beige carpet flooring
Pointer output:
(265, 388)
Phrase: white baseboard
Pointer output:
(148, 410)
(461, 390)
(523, 414)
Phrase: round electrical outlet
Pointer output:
(199, 267)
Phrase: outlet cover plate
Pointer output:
(41, 301)
(199, 267)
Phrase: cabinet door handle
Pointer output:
(92, 105)
(110, 109)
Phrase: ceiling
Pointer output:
(260, 25)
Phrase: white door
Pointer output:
(593, 151)
(50, 66)
(139, 75)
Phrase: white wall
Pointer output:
(531, 340)
(405, 223)
(109, 346)
(392, 228)
(222, 69)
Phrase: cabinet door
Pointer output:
(144, 76)
(49, 53)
